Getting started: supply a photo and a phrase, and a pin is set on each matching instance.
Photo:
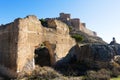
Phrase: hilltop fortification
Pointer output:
(74, 23)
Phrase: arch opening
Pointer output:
(44, 54)
(42, 57)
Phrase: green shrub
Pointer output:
(70, 28)
(43, 22)
(77, 37)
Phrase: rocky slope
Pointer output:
(87, 38)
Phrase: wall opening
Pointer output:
(45, 55)
(42, 57)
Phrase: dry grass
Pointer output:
(7, 73)
(102, 74)
(115, 69)
(47, 73)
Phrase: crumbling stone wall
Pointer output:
(29, 36)
(8, 45)
(19, 39)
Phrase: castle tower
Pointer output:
(75, 23)
(64, 16)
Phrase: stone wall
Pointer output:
(8, 45)
(64, 16)
(30, 35)
(18, 41)
(59, 36)
(75, 23)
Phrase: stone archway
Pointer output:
(44, 55)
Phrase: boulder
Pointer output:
(95, 55)
(92, 55)
(116, 48)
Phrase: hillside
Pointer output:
(64, 44)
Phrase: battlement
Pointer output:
(75, 23)
(64, 16)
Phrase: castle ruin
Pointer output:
(20, 39)
(75, 23)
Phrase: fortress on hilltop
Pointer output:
(74, 23)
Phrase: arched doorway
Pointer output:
(44, 55)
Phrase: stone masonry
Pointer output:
(19, 39)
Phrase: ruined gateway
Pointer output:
(19, 39)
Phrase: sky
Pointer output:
(101, 16)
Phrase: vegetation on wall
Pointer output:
(78, 38)
(43, 22)
(70, 28)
